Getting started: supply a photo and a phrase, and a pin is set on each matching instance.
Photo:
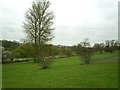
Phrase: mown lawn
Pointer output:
(0, 76)
(64, 73)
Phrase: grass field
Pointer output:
(0, 76)
(64, 73)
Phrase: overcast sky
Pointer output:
(75, 20)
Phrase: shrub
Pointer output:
(84, 51)
(45, 56)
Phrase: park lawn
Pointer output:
(0, 76)
(105, 57)
(64, 73)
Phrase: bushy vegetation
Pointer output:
(9, 45)
(44, 55)
(27, 50)
(24, 50)
(84, 51)
(108, 46)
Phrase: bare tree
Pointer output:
(99, 47)
(38, 26)
(38, 22)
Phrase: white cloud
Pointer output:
(74, 20)
(12, 17)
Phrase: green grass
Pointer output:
(105, 57)
(64, 73)
(0, 76)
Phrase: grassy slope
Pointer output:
(66, 72)
(0, 76)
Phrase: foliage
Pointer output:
(63, 51)
(45, 55)
(111, 45)
(24, 50)
(9, 45)
(108, 46)
(99, 47)
(84, 51)
(28, 50)
(67, 52)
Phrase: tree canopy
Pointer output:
(38, 22)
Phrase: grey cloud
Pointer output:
(10, 25)
(103, 28)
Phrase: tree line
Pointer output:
(9, 45)
(26, 50)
